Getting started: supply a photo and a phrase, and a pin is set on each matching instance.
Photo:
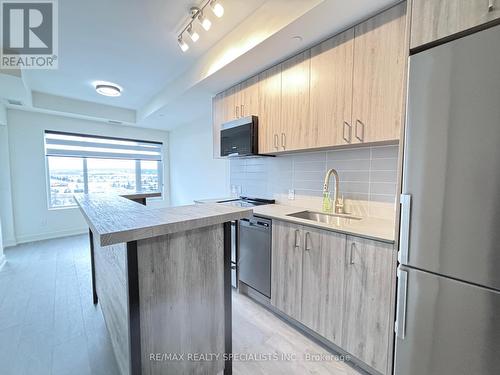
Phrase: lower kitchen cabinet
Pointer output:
(323, 282)
(367, 302)
(286, 274)
(338, 286)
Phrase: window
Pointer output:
(78, 163)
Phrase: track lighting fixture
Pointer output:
(197, 14)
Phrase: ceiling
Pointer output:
(134, 44)
(129, 42)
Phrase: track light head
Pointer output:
(182, 44)
(192, 33)
(204, 21)
(217, 8)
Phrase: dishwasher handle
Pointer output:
(256, 223)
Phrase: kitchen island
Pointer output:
(163, 282)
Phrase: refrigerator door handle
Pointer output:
(401, 304)
(404, 229)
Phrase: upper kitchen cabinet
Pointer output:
(295, 126)
(367, 302)
(379, 70)
(231, 104)
(217, 121)
(432, 20)
(347, 90)
(249, 97)
(331, 91)
(269, 92)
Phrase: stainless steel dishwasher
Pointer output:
(255, 254)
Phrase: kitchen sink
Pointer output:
(321, 217)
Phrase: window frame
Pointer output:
(138, 169)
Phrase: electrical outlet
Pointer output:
(291, 194)
(235, 190)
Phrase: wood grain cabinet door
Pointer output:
(296, 130)
(367, 301)
(231, 106)
(249, 97)
(432, 20)
(269, 94)
(331, 91)
(379, 67)
(323, 282)
(217, 120)
(286, 275)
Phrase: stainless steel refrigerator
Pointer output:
(448, 307)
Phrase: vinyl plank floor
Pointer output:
(49, 326)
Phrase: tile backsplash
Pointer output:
(368, 177)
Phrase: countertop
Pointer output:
(114, 219)
(368, 227)
(140, 195)
(215, 200)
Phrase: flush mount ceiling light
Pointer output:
(197, 14)
(108, 89)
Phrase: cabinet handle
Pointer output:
(348, 140)
(362, 132)
(351, 255)
(283, 140)
(242, 110)
(297, 238)
(237, 111)
(491, 5)
(276, 141)
(308, 240)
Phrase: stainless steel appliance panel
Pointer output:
(234, 249)
(451, 327)
(254, 263)
(452, 160)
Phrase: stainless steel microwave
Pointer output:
(239, 137)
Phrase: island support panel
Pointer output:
(182, 298)
(112, 286)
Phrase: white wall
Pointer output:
(6, 212)
(32, 219)
(5, 204)
(194, 173)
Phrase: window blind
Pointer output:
(86, 146)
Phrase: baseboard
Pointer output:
(9, 243)
(50, 235)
